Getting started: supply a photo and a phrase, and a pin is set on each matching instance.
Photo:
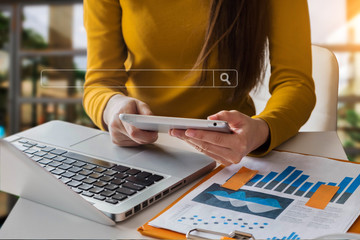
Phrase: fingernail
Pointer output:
(174, 134)
(190, 133)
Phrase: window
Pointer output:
(41, 41)
(47, 36)
(37, 40)
(5, 18)
(336, 26)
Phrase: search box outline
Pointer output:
(143, 70)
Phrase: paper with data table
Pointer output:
(272, 204)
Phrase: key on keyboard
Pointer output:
(89, 176)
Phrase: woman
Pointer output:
(199, 34)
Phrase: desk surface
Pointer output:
(32, 220)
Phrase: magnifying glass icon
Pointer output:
(224, 77)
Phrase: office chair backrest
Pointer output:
(326, 78)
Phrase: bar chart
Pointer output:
(293, 235)
(294, 181)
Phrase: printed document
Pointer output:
(272, 204)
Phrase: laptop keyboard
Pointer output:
(88, 176)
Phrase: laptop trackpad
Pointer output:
(101, 146)
(154, 157)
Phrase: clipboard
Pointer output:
(161, 233)
(154, 232)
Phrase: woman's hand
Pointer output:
(122, 133)
(248, 134)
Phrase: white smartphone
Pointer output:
(164, 124)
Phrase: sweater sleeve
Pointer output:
(106, 56)
(291, 85)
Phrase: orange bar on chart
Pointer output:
(240, 178)
(322, 196)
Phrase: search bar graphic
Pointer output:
(139, 78)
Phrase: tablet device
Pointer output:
(164, 124)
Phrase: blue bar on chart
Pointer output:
(254, 180)
(349, 191)
(288, 180)
(267, 179)
(303, 189)
(296, 184)
(342, 186)
(313, 189)
(292, 181)
(279, 178)
(293, 235)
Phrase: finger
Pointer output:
(234, 118)
(127, 143)
(129, 107)
(212, 117)
(140, 136)
(220, 139)
(227, 154)
(135, 134)
(220, 115)
(120, 138)
(181, 135)
(118, 130)
(224, 151)
(177, 133)
(217, 158)
(143, 108)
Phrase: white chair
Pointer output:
(326, 78)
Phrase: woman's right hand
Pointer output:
(122, 133)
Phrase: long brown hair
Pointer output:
(238, 31)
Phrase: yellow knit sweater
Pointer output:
(163, 34)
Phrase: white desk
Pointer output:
(32, 220)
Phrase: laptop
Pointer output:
(79, 170)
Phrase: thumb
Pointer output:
(234, 118)
(143, 108)
(213, 117)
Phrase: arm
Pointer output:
(291, 84)
(106, 50)
(104, 90)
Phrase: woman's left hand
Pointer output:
(248, 134)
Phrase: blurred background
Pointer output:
(44, 34)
